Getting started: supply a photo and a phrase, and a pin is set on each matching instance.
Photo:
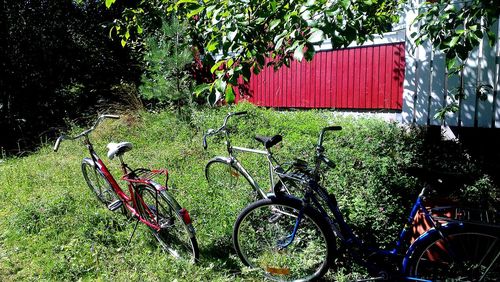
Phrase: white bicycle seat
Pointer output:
(118, 149)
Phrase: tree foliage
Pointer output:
(56, 61)
(456, 28)
(240, 37)
(167, 56)
(236, 38)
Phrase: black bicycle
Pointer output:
(297, 239)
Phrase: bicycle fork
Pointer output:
(289, 239)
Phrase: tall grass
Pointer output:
(52, 227)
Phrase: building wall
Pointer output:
(388, 74)
(428, 88)
(358, 78)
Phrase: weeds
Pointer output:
(53, 228)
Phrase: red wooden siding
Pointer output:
(366, 77)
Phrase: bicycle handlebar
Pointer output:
(329, 128)
(85, 132)
(211, 132)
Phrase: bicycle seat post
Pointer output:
(123, 164)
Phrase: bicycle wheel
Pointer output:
(176, 235)
(98, 183)
(467, 253)
(261, 234)
(227, 180)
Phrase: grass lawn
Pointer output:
(53, 228)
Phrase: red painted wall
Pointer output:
(366, 77)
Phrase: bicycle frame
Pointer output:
(273, 164)
(403, 246)
(354, 245)
(132, 200)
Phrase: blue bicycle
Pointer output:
(297, 239)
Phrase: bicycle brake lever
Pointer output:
(58, 142)
(328, 162)
(205, 146)
(111, 116)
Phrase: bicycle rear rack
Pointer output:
(458, 214)
(141, 175)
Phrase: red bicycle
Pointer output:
(148, 201)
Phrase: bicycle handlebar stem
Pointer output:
(320, 149)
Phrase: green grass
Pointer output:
(52, 227)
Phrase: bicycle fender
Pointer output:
(157, 186)
(214, 160)
(429, 235)
(89, 161)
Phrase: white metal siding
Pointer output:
(427, 87)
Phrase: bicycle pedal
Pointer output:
(115, 205)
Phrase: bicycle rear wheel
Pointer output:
(176, 235)
(98, 183)
(262, 235)
(466, 253)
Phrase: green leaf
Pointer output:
(309, 54)
(199, 89)
(454, 41)
(230, 96)
(298, 54)
(316, 36)
(231, 35)
(185, 2)
(195, 12)
(220, 87)
(491, 38)
(274, 24)
(109, 3)
(139, 29)
(217, 65)
(278, 44)
(344, 4)
(212, 98)
(124, 42)
(450, 63)
(212, 45)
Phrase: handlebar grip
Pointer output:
(332, 128)
(111, 116)
(240, 113)
(205, 146)
(58, 142)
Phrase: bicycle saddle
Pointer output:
(268, 142)
(118, 149)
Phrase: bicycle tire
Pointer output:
(98, 183)
(176, 236)
(262, 227)
(288, 187)
(468, 252)
(223, 176)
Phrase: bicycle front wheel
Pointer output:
(98, 183)
(176, 234)
(263, 239)
(467, 253)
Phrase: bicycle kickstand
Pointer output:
(133, 232)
